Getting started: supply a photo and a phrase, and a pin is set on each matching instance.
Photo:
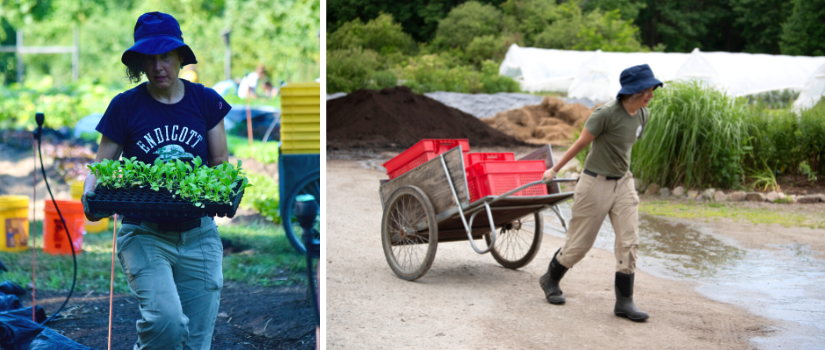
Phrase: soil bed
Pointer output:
(242, 318)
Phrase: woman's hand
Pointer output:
(89, 215)
(108, 149)
(548, 175)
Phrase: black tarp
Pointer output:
(19, 332)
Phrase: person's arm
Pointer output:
(108, 149)
(216, 145)
(584, 139)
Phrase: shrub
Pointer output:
(487, 47)
(350, 69)
(531, 16)
(465, 22)
(384, 79)
(492, 82)
(562, 33)
(381, 35)
(437, 73)
(787, 142)
(62, 106)
(606, 31)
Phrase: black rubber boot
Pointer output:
(624, 299)
(550, 281)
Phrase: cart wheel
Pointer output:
(308, 185)
(409, 233)
(518, 242)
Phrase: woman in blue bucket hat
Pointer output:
(606, 187)
(173, 265)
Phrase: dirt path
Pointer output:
(468, 301)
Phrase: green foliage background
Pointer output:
(283, 35)
(790, 27)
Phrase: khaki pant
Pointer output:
(177, 279)
(595, 198)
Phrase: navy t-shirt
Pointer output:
(148, 129)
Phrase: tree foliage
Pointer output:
(531, 16)
(629, 9)
(595, 30)
(804, 31)
(465, 22)
(418, 18)
(283, 35)
(381, 35)
(759, 23)
(673, 25)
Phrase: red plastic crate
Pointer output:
(483, 157)
(421, 152)
(493, 178)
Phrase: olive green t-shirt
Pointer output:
(616, 131)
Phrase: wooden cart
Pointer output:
(430, 204)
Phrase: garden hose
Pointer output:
(37, 135)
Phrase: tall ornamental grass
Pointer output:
(696, 136)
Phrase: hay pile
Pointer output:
(551, 122)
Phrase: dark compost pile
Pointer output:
(398, 118)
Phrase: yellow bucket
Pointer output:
(91, 227)
(14, 223)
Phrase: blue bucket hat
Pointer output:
(157, 33)
(636, 79)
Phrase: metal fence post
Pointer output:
(19, 54)
(76, 55)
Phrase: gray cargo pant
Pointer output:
(177, 279)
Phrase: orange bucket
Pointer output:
(55, 240)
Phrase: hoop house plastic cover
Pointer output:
(595, 75)
(812, 93)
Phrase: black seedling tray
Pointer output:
(146, 202)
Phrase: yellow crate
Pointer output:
(301, 89)
(301, 151)
(301, 118)
(301, 147)
(300, 101)
(300, 136)
(300, 127)
(301, 109)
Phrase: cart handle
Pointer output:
(467, 227)
(492, 230)
(534, 183)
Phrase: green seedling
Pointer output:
(196, 183)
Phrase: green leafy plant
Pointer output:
(196, 183)
(764, 179)
(805, 169)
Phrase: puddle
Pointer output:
(786, 284)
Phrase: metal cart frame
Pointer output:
(430, 204)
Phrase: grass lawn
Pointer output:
(708, 211)
(267, 259)
(263, 152)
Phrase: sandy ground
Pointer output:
(468, 301)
